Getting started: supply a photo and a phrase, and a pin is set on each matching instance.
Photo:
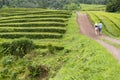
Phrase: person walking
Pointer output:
(100, 25)
(96, 28)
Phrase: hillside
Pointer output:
(62, 53)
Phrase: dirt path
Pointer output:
(86, 28)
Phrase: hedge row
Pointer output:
(34, 20)
(35, 16)
(32, 36)
(40, 12)
(33, 24)
(35, 11)
(45, 46)
(21, 9)
(53, 30)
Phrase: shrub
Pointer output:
(18, 47)
(113, 6)
(31, 35)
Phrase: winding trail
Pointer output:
(86, 28)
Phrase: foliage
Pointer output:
(72, 6)
(18, 47)
(113, 5)
(93, 1)
(34, 24)
(52, 4)
(88, 60)
(92, 7)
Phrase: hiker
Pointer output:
(100, 27)
(96, 28)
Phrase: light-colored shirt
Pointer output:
(100, 25)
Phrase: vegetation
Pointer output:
(93, 1)
(51, 4)
(35, 24)
(92, 7)
(35, 55)
(18, 48)
(41, 44)
(113, 5)
(86, 58)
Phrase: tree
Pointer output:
(93, 1)
(113, 5)
(52, 4)
(1, 3)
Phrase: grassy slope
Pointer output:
(92, 7)
(87, 60)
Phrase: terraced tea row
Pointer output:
(35, 16)
(111, 23)
(33, 20)
(16, 12)
(33, 24)
(33, 29)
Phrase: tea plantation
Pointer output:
(42, 26)
(38, 44)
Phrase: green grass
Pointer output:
(92, 7)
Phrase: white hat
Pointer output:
(95, 23)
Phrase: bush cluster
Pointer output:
(113, 6)
(34, 20)
(53, 30)
(32, 36)
(36, 24)
(18, 47)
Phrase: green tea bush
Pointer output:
(37, 12)
(34, 20)
(32, 24)
(46, 46)
(32, 36)
(36, 16)
(46, 29)
(18, 47)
